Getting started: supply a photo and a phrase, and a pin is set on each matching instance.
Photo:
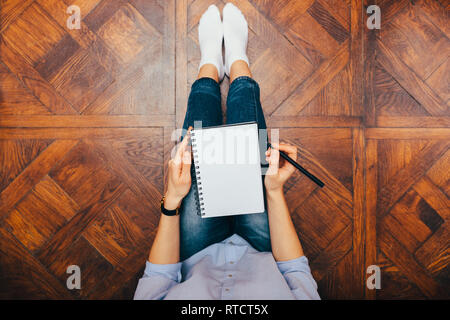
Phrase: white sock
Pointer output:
(235, 30)
(210, 36)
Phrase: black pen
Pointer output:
(299, 167)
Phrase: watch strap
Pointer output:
(166, 212)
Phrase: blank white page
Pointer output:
(227, 161)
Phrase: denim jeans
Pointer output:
(204, 104)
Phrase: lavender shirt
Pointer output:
(231, 269)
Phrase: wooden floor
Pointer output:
(86, 118)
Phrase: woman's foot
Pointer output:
(235, 31)
(210, 36)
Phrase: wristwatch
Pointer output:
(166, 212)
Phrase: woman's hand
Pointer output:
(179, 176)
(279, 170)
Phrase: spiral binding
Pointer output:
(199, 193)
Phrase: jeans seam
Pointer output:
(206, 92)
(241, 78)
(199, 82)
(255, 103)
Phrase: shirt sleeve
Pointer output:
(157, 281)
(299, 278)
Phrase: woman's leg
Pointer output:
(243, 105)
(204, 104)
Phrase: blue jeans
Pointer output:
(204, 104)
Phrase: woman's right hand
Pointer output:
(279, 170)
(179, 175)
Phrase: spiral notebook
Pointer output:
(227, 167)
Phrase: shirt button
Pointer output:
(230, 275)
(231, 242)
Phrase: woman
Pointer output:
(253, 256)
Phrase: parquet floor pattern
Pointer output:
(86, 118)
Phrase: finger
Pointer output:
(185, 141)
(182, 147)
(290, 150)
(287, 147)
(274, 157)
(273, 160)
(174, 168)
(186, 162)
(268, 155)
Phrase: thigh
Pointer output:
(243, 102)
(244, 105)
(204, 104)
(197, 233)
(255, 229)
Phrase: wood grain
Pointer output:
(359, 214)
(33, 174)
